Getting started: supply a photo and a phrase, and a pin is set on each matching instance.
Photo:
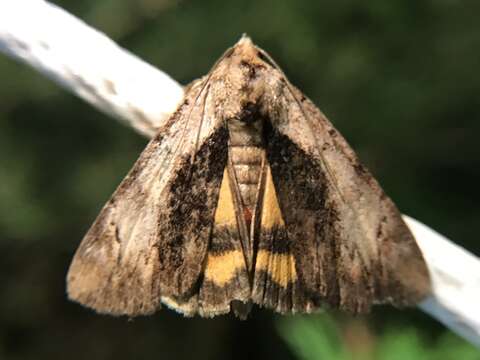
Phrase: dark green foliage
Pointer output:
(320, 337)
(398, 78)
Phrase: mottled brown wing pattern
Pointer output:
(225, 277)
(275, 283)
(351, 247)
(151, 238)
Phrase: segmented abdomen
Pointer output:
(246, 154)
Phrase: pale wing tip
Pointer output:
(92, 286)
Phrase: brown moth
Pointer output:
(247, 195)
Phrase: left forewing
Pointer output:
(150, 240)
(352, 248)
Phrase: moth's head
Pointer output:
(246, 51)
(248, 79)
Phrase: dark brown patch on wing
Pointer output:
(186, 223)
(275, 279)
(224, 280)
(139, 250)
(283, 298)
(327, 271)
(223, 240)
(344, 256)
(275, 240)
(276, 282)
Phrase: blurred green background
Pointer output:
(398, 78)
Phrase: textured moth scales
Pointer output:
(247, 195)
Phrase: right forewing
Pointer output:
(151, 238)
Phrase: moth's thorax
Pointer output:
(246, 154)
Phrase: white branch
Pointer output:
(87, 63)
(114, 81)
(455, 275)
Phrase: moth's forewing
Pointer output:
(356, 249)
(151, 238)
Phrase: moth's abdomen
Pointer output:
(247, 166)
(246, 156)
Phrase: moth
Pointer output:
(247, 195)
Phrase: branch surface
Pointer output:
(87, 63)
